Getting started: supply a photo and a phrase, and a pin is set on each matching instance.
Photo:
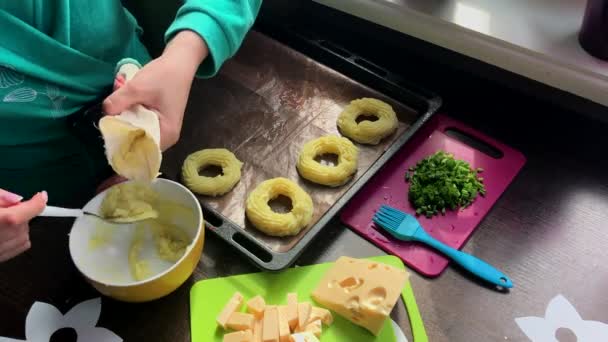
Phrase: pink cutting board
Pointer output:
(388, 186)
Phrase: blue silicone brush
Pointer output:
(406, 227)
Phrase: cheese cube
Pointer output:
(303, 337)
(303, 313)
(314, 327)
(256, 306)
(238, 336)
(321, 314)
(233, 305)
(270, 325)
(292, 310)
(257, 330)
(284, 331)
(240, 321)
(361, 291)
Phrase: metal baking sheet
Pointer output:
(264, 105)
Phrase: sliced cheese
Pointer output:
(314, 327)
(284, 330)
(233, 305)
(238, 336)
(270, 326)
(240, 321)
(320, 314)
(303, 337)
(256, 306)
(303, 313)
(361, 291)
(257, 330)
(292, 310)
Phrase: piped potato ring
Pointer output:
(211, 186)
(368, 132)
(261, 215)
(329, 175)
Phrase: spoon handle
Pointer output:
(51, 211)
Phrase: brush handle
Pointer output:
(474, 265)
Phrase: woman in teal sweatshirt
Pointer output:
(58, 57)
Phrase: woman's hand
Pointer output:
(163, 85)
(14, 218)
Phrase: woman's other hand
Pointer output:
(15, 215)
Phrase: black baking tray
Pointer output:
(201, 133)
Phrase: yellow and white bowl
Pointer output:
(101, 250)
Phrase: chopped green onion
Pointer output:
(440, 181)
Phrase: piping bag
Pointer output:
(132, 138)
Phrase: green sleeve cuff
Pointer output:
(126, 61)
(208, 28)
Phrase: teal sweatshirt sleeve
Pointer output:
(221, 23)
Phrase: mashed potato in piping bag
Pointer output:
(132, 139)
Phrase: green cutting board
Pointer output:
(208, 297)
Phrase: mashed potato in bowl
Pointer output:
(145, 260)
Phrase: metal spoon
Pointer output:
(51, 211)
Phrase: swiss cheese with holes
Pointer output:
(362, 291)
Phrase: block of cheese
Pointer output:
(292, 310)
(303, 313)
(361, 291)
(257, 330)
(238, 336)
(233, 305)
(256, 306)
(320, 314)
(240, 321)
(314, 327)
(303, 337)
(270, 325)
(284, 330)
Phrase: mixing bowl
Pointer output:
(100, 250)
